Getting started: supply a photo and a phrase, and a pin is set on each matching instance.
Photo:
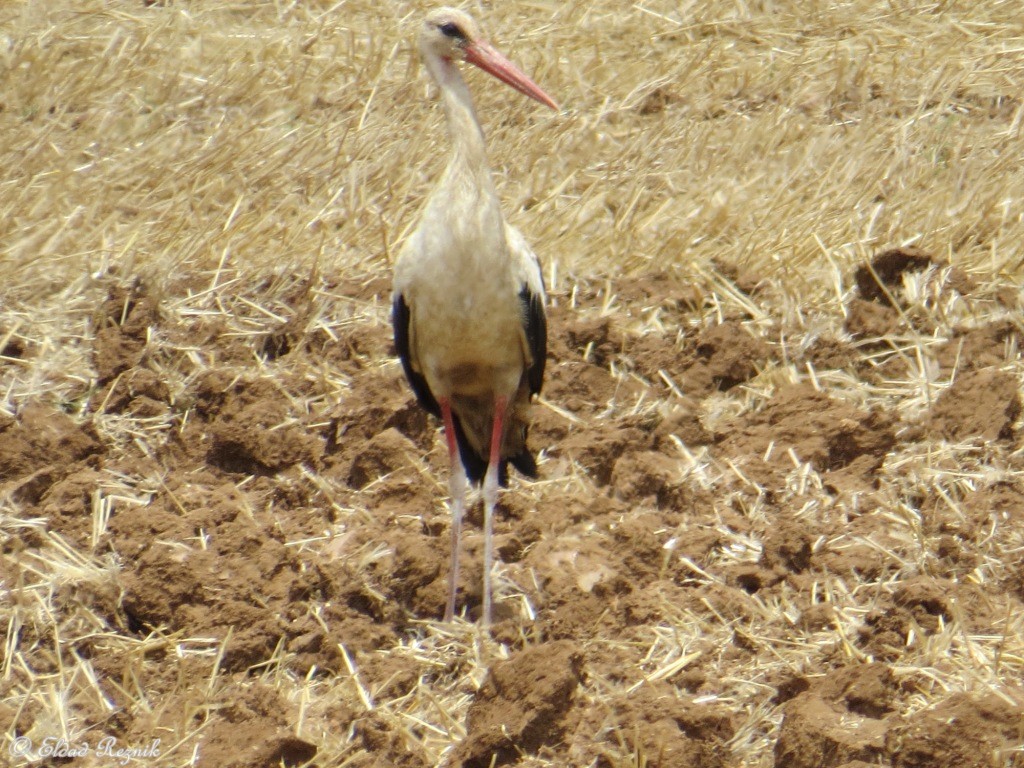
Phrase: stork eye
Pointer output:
(451, 29)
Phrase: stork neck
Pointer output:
(470, 150)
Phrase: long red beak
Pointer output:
(490, 60)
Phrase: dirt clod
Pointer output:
(522, 705)
(878, 281)
(981, 404)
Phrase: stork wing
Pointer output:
(532, 296)
(400, 321)
(536, 336)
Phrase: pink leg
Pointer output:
(457, 489)
(491, 498)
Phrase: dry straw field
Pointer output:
(780, 518)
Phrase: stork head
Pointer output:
(449, 35)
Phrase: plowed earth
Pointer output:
(726, 555)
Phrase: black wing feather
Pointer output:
(400, 317)
(536, 336)
(536, 327)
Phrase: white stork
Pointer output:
(468, 304)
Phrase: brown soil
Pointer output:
(280, 523)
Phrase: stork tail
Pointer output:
(475, 462)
